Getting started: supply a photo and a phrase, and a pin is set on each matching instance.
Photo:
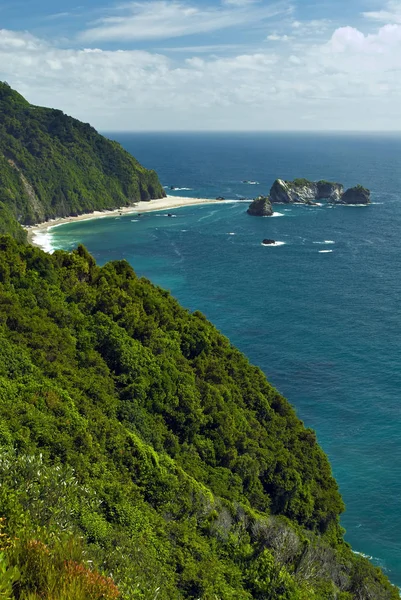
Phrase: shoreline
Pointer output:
(139, 207)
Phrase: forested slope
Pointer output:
(142, 456)
(52, 165)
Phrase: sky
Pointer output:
(208, 64)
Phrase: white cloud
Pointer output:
(60, 15)
(163, 19)
(351, 81)
(315, 26)
(275, 37)
(302, 32)
(240, 2)
(390, 15)
(206, 49)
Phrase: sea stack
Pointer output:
(304, 191)
(260, 207)
(356, 195)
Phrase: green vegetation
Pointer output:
(300, 182)
(142, 456)
(52, 165)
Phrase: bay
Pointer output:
(320, 314)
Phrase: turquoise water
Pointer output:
(320, 314)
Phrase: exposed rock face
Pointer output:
(356, 195)
(329, 191)
(304, 191)
(268, 242)
(260, 207)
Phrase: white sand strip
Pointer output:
(138, 207)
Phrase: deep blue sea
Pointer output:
(320, 313)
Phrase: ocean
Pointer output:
(319, 313)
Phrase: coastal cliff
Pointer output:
(52, 165)
(141, 454)
(136, 441)
(307, 192)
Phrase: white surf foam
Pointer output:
(134, 220)
(325, 251)
(325, 242)
(235, 201)
(231, 233)
(277, 214)
(273, 245)
(178, 189)
(362, 554)
(44, 240)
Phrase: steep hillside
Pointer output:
(52, 165)
(142, 456)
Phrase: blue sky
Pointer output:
(231, 64)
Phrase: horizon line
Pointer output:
(256, 131)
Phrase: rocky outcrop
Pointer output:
(268, 242)
(356, 195)
(305, 191)
(260, 207)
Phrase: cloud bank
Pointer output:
(350, 81)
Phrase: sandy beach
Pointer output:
(35, 232)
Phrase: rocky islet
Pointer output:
(303, 191)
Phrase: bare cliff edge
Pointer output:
(306, 192)
(52, 165)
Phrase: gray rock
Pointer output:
(305, 191)
(356, 195)
(260, 207)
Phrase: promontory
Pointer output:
(141, 455)
(52, 165)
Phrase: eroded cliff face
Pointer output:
(304, 191)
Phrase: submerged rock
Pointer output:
(356, 195)
(305, 191)
(268, 242)
(260, 207)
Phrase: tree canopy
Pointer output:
(142, 453)
(52, 165)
